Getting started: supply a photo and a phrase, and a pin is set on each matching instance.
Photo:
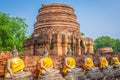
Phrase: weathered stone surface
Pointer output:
(21, 78)
(94, 74)
(52, 77)
(108, 72)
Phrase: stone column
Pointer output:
(78, 47)
(57, 44)
(64, 44)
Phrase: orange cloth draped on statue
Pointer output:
(16, 64)
(70, 62)
(47, 63)
(115, 61)
(103, 63)
(88, 64)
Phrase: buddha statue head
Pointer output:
(102, 54)
(69, 52)
(45, 52)
(115, 54)
(15, 52)
(88, 54)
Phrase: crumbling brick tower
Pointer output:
(56, 29)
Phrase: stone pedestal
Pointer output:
(52, 77)
(21, 78)
(94, 74)
(108, 72)
(77, 74)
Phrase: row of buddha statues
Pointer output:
(69, 71)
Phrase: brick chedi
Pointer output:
(56, 29)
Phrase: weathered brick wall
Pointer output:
(4, 56)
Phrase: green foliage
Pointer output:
(117, 45)
(12, 32)
(106, 41)
(82, 34)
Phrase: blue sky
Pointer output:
(96, 17)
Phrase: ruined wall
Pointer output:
(89, 44)
(56, 24)
(105, 49)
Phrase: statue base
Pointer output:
(94, 74)
(75, 75)
(116, 72)
(71, 77)
(22, 78)
(108, 72)
(51, 77)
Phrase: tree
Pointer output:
(106, 41)
(117, 45)
(12, 32)
(82, 34)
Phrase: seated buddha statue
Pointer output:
(88, 63)
(89, 69)
(103, 62)
(69, 67)
(115, 61)
(45, 67)
(15, 67)
(104, 67)
(115, 65)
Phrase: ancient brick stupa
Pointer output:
(56, 29)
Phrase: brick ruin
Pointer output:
(105, 49)
(56, 29)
